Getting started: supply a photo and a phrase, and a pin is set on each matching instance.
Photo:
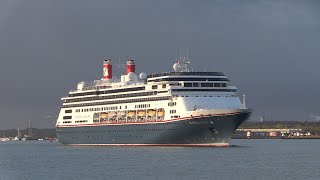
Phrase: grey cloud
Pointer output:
(269, 49)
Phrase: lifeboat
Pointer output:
(160, 113)
(103, 115)
(96, 116)
(131, 113)
(152, 113)
(141, 113)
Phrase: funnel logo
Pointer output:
(105, 72)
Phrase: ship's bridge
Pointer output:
(188, 76)
(193, 81)
(185, 74)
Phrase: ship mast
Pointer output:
(30, 129)
(183, 62)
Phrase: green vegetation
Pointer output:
(307, 126)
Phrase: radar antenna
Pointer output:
(183, 62)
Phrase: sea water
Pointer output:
(245, 159)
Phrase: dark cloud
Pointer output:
(269, 49)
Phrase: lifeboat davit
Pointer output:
(112, 114)
(122, 114)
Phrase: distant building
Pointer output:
(269, 133)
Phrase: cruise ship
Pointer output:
(178, 108)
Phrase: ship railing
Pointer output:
(186, 74)
(101, 84)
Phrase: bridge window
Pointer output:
(207, 84)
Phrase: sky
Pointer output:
(269, 49)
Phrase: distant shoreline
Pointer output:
(285, 138)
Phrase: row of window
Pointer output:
(107, 91)
(172, 104)
(175, 116)
(175, 84)
(142, 106)
(188, 79)
(66, 122)
(173, 111)
(81, 121)
(205, 84)
(99, 109)
(215, 90)
(159, 92)
(111, 97)
(118, 102)
(156, 86)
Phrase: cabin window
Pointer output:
(217, 84)
(187, 84)
(154, 87)
(164, 86)
(67, 117)
(195, 84)
(68, 111)
(173, 111)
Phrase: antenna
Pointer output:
(30, 129)
(187, 54)
(119, 67)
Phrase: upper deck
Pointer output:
(150, 79)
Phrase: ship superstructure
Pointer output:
(179, 108)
